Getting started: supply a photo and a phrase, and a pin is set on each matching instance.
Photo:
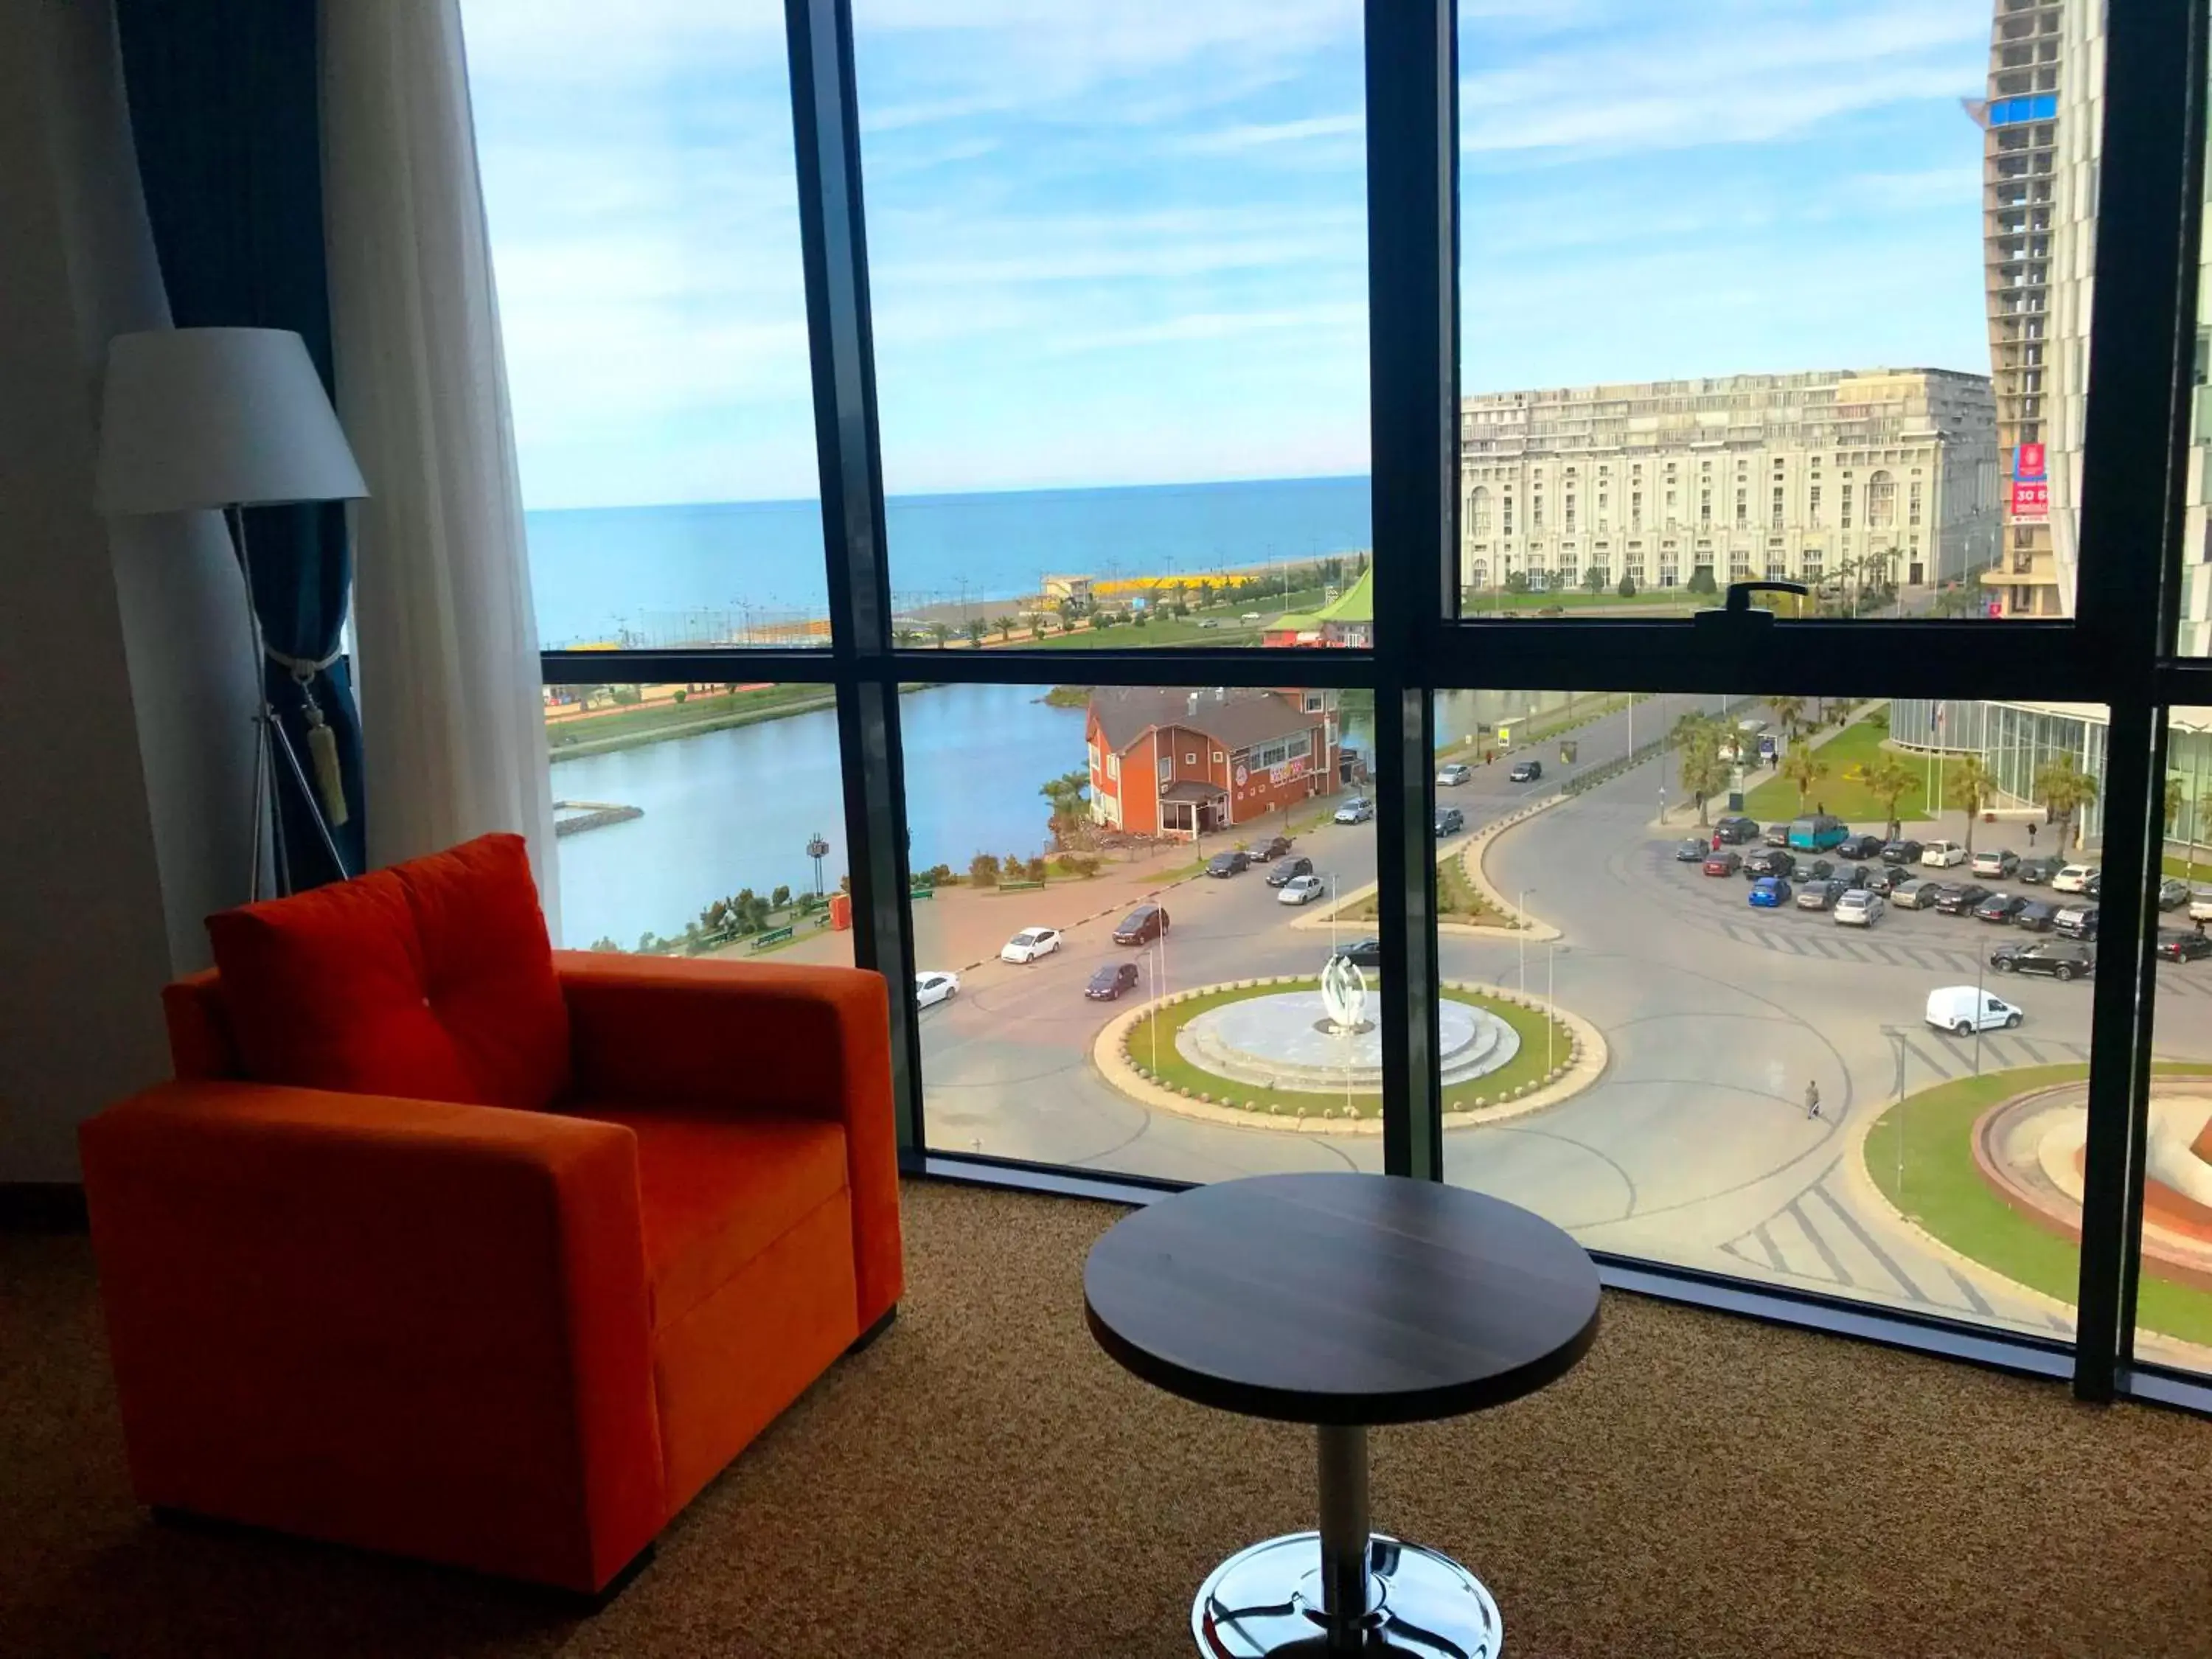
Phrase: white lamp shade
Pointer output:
(210, 417)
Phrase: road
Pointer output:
(1694, 1147)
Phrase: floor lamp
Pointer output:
(196, 419)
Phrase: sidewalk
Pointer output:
(1683, 815)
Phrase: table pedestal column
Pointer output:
(1344, 1589)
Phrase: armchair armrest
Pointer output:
(757, 1037)
(404, 1324)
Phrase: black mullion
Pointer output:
(2134, 437)
(1412, 400)
(833, 244)
(2187, 281)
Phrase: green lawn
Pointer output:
(1527, 1066)
(625, 728)
(1457, 900)
(1480, 602)
(1857, 746)
(1945, 1193)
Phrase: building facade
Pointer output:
(1167, 762)
(1803, 478)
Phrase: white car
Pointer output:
(2200, 907)
(934, 988)
(1962, 1010)
(1940, 854)
(1859, 908)
(1357, 810)
(1300, 890)
(2073, 878)
(1454, 774)
(1030, 944)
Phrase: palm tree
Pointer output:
(1976, 786)
(1789, 711)
(1804, 768)
(976, 629)
(2064, 789)
(1703, 773)
(940, 632)
(1890, 780)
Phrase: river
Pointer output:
(736, 808)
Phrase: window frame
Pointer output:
(2117, 650)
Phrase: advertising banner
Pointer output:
(2031, 485)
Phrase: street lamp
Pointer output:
(818, 849)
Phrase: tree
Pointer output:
(1516, 581)
(2177, 796)
(1704, 772)
(1890, 780)
(975, 628)
(1701, 581)
(2064, 789)
(1003, 627)
(1976, 786)
(1804, 768)
(1627, 588)
(1594, 580)
(940, 632)
(983, 870)
(1789, 711)
(780, 899)
(1069, 808)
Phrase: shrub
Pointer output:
(1701, 581)
(1034, 869)
(1627, 588)
(937, 875)
(983, 870)
(603, 943)
(781, 899)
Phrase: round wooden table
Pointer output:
(1345, 1301)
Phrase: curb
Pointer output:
(1478, 849)
(1107, 1056)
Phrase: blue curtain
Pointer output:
(226, 114)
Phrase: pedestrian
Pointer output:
(1812, 1100)
(2030, 834)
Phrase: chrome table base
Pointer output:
(1343, 1589)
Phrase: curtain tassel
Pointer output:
(323, 752)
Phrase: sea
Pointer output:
(659, 575)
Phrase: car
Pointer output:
(1360, 952)
(1289, 871)
(2075, 921)
(1913, 893)
(1111, 980)
(2182, 944)
(1769, 861)
(2055, 959)
(1816, 832)
(1857, 847)
(934, 988)
(1962, 1010)
(1449, 821)
(2200, 907)
(1723, 861)
(1453, 775)
(1272, 848)
(1820, 894)
(2036, 871)
(1769, 893)
(2173, 894)
(1527, 771)
(1142, 926)
(1859, 908)
(2072, 879)
(1689, 852)
(1900, 852)
(1777, 834)
(1942, 854)
(1737, 831)
(2034, 916)
(1250, 619)
(1821, 870)
(1999, 908)
(2096, 880)
(1300, 890)
(1357, 810)
(1958, 898)
(1994, 861)
(1030, 944)
(1883, 878)
(1224, 865)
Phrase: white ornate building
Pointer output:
(1783, 477)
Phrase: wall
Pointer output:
(118, 744)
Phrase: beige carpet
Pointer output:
(984, 1482)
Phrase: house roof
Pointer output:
(1237, 717)
(1192, 789)
(1355, 604)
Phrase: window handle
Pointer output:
(1738, 613)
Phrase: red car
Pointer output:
(1725, 862)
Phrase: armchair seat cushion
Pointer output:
(715, 1190)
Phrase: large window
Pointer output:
(1725, 297)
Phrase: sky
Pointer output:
(1122, 241)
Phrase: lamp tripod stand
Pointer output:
(269, 739)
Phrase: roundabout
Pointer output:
(1284, 1051)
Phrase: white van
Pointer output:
(1940, 854)
(1962, 1010)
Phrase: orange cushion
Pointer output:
(715, 1190)
(432, 979)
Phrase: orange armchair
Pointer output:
(519, 1340)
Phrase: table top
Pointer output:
(1341, 1299)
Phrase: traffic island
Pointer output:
(1255, 1052)
(1986, 1172)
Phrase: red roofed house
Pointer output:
(1167, 762)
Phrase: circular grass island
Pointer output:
(1507, 1049)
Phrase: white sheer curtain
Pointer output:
(452, 714)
